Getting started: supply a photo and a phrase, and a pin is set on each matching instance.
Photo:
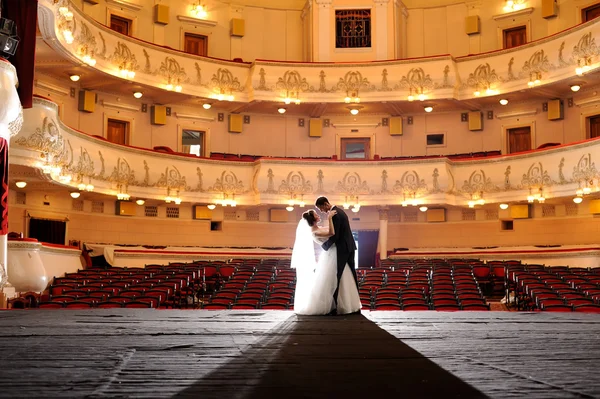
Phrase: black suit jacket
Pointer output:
(342, 236)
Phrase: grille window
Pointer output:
(151, 211)
(98, 206)
(173, 212)
(352, 28)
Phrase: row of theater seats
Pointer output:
(421, 285)
(431, 284)
(558, 288)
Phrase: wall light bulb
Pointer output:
(138, 94)
(75, 78)
(140, 202)
(503, 206)
(211, 206)
(206, 106)
(21, 184)
(578, 200)
(75, 194)
(503, 101)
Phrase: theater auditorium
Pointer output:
(157, 157)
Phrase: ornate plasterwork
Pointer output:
(46, 139)
(410, 184)
(122, 173)
(228, 183)
(416, 81)
(586, 47)
(536, 176)
(15, 126)
(223, 82)
(93, 40)
(352, 184)
(200, 183)
(85, 164)
(478, 183)
(171, 179)
(352, 83)
(295, 183)
(585, 170)
(537, 63)
(483, 77)
(291, 84)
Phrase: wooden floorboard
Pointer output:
(276, 354)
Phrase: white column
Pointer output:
(11, 120)
(381, 29)
(383, 232)
(400, 29)
(325, 25)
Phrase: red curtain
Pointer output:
(24, 14)
(4, 187)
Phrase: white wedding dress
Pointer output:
(317, 281)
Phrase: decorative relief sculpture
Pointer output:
(561, 175)
(410, 185)
(270, 185)
(320, 178)
(483, 77)
(295, 183)
(585, 170)
(228, 183)
(384, 187)
(352, 185)
(171, 179)
(507, 185)
(478, 183)
(291, 84)
(536, 176)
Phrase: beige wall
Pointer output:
(269, 33)
(438, 27)
(108, 228)
(433, 28)
(280, 136)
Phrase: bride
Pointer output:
(317, 279)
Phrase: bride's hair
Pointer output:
(310, 217)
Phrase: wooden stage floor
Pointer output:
(276, 354)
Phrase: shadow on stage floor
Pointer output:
(330, 357)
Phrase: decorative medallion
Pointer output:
(352, 184)
(295, 183)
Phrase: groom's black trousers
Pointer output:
(344, 256)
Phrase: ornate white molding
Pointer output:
(179, 115)
(125, 4)
(514, 114)
(586, 102)
(197, 21)
(508, 15)
(127, 107)
(49, 86)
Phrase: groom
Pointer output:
(343, 240)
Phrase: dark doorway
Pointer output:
(519, 139)
(514, 37)
(593, 126)
(46, 230)
(196, 44)
(120, 24)
(367, 247)
(589, 13)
